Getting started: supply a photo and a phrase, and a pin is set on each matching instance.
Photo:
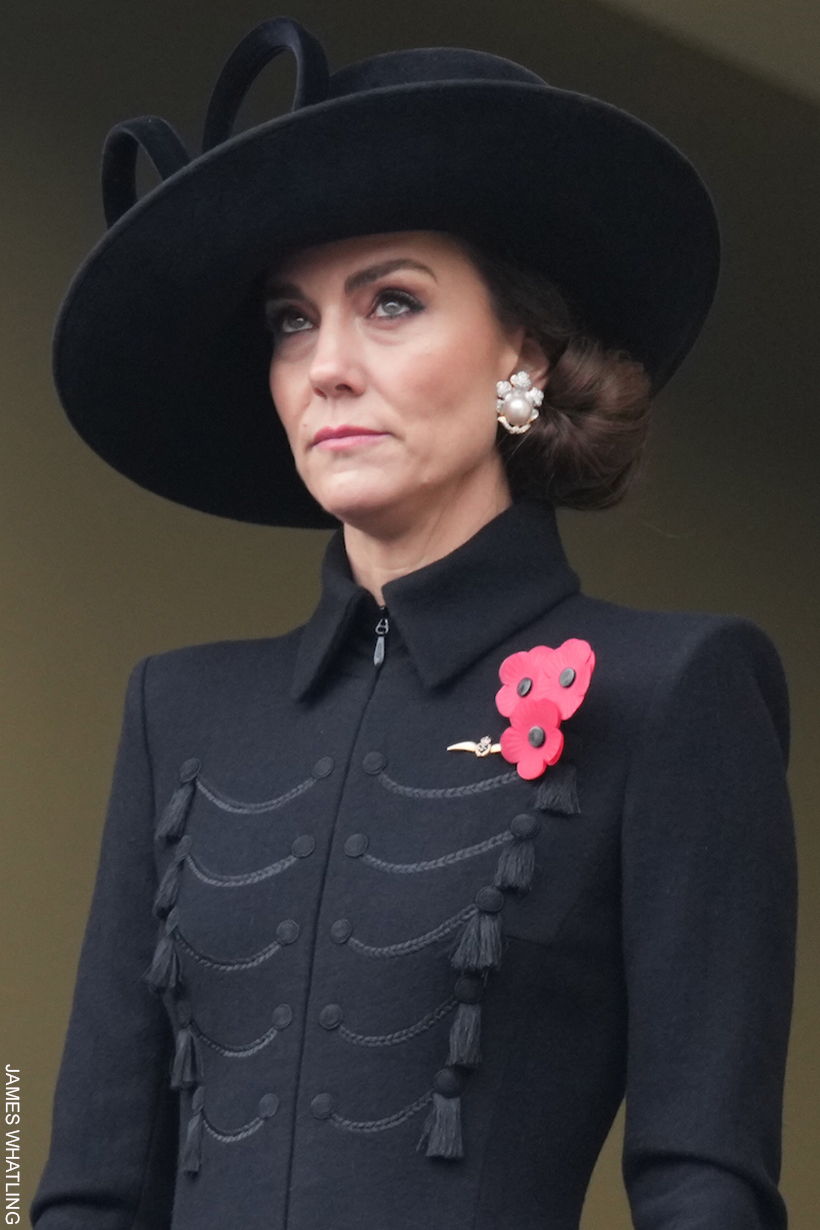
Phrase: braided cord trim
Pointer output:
(401, 1035)
(241, 963)
(237, 1052)
(419, 941)
(230, 1138)
(238, 808)
(381, 1125)
(446, 860)
(251, 877)
(448, 792)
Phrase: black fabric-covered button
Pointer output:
(330, 1017)
(536, 736)
(356, 845)
(198, 1099)
(323, 766)
(184, 1012)
(322, 1106)
(282, 1016)
(489, 899)
(524, 686)
(448, 1082)
(303, 846)
(189, 769)
(567, 677)
(287, 931)
(469, 989)
(524, 825)
(374, 762)
(268, 1105)
(341, 930)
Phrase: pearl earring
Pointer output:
(518, 402)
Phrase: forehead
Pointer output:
(343, 256)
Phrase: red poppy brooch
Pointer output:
(540, 688)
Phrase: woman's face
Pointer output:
(392, 340)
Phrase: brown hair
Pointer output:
(584, 448)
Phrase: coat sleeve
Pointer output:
(709, 918)
(112, 1160)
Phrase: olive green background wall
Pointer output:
(96, 573)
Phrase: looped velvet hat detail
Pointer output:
(161, 353)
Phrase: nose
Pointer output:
(335, 368)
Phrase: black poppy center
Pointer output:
(524, 686)
(567, 677)
(536, 736)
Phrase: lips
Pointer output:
(344, 431)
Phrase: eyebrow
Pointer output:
(364, 277)
(373, 272)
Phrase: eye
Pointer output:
(395, 303)
(286, 320)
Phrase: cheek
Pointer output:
(450, 383)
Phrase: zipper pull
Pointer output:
(381, 632)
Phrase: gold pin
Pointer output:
(483, 748)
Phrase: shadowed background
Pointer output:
(97, 573)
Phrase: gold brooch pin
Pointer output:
(484, 746)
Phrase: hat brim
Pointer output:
(160, 351)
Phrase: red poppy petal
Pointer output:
(513, 744)
(568, 699)
(513, 668)
(573, 652)
(535, 711)
(541, 656)
(554, 746)
(505, 700)
(532, 763)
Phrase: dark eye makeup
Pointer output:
(278, 319)
(284, 320)
(390, 297)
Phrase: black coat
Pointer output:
(325, 860)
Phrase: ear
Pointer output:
(534, 360)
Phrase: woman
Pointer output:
(393, 910)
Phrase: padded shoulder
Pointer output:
(645, 655)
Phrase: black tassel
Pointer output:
(465, 1037)
(164, 971)
(187, 1067)
(516, 866)
(558, 792)
(169, 884)
(442, 1128)
(192, 1148)
(172, 821)
(479, 947)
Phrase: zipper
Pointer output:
(381, 632)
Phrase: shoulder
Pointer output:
(692, 661)
(651, 660)
(679, 633)
(215, 673)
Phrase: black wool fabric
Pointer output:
(297, 859)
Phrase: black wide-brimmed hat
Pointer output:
(161, 353)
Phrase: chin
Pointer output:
(361, 505)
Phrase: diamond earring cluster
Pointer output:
(518, 402)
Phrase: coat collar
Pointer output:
(449, 613)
